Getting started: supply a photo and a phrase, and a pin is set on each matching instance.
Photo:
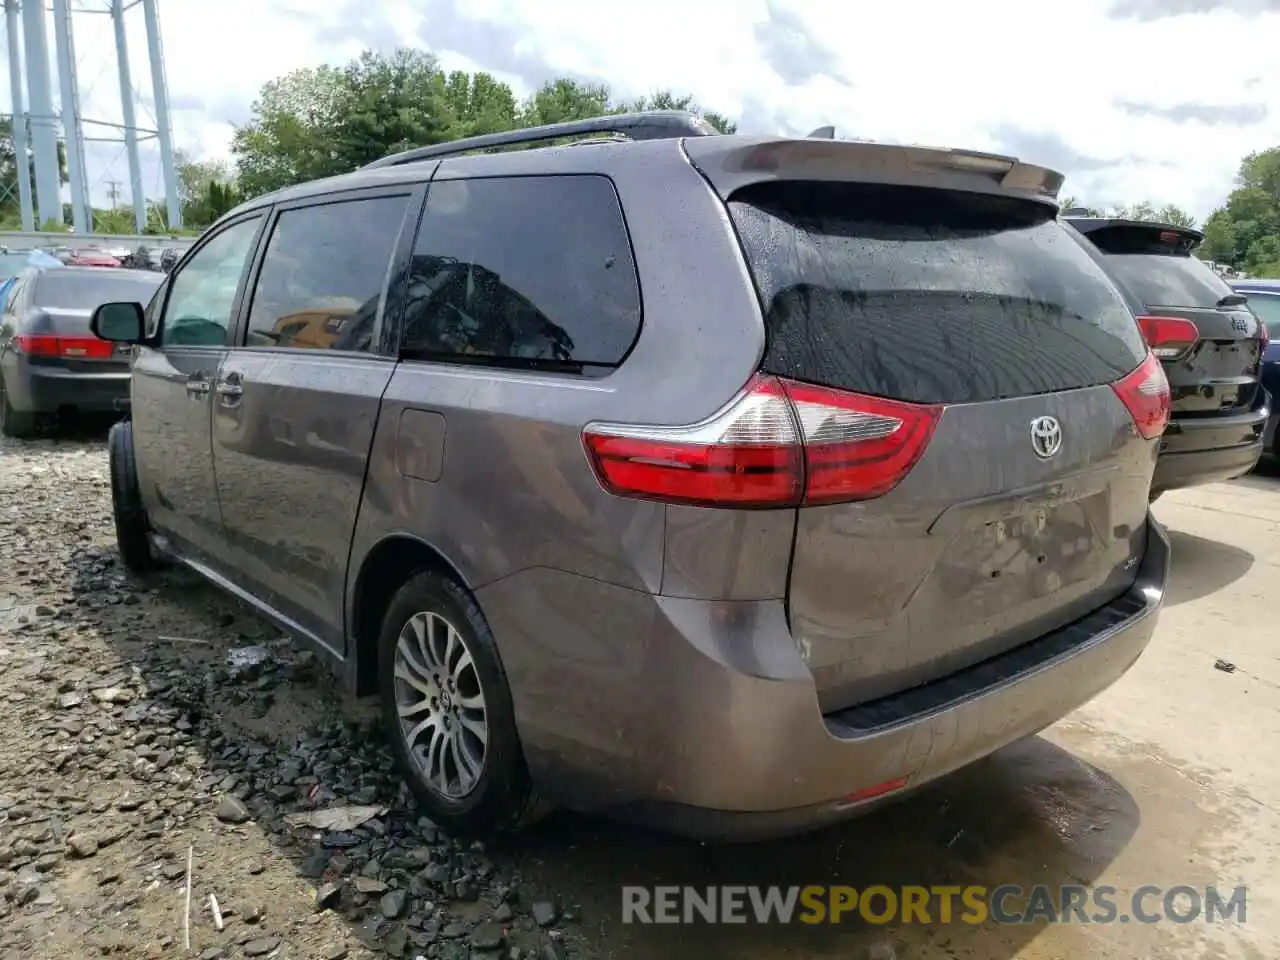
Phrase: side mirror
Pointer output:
(119, 322)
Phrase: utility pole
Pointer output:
(113, 191)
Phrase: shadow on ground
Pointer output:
(281, 739)
(1200, 566)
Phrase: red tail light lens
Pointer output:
(1145, 392)
(1169, 337)
(778, 444)
(72, 348)
(857, 447)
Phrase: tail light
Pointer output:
(1145, 392)
(778, 444)
(71, 348)
(1169, 337)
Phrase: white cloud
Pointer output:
(1067, 85)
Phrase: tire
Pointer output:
(126, 502)
(16, 423)
(501, 798)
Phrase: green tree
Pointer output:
(328, 120)
(1245, 231)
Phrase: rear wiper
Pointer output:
(1233, 300)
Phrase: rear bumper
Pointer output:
(1196, 451)
(708, 724)
(41, 389)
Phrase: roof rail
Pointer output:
(649, 125)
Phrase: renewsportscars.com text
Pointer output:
(1008, 904)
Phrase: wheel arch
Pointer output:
(386, 567)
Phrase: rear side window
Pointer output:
(323, 275)
(523, 272)
(929, 296)
(1157, 267)
(73, 290)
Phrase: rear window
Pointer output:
(929, 296)
(1156, 267)
(59, 290)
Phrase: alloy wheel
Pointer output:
(440, 705)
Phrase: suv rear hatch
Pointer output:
(1215, 371)
(946, 326)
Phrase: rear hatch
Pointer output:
(1217, 374)
(998, 336)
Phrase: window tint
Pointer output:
(1156, 266)
(202, 294)
(529, 270)
(1267, 308)
(73, 290)
(929, 296)
(323, 274)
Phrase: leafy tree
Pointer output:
(327, 120)
(1245, 231)
(206, 190)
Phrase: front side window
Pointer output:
(323, 275)
(202, 294)
(525, 272)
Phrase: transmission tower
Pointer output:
(35, 124)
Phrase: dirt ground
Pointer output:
(132, 737)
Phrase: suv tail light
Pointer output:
(73, 348)
(1145, 392)
(778, 444)
(1169, 337)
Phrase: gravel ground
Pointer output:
(152, 719)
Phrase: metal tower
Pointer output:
(35, 124)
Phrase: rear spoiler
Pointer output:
(732, 163)
(1118, 235)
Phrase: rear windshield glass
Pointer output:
(1160, 273)
(85, 291)
(929, 296)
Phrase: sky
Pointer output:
(1132, 99)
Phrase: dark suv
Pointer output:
(1209, 342)
(732, 483)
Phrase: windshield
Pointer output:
(73, 290)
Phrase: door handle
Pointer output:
(226, 389)
(197, 387)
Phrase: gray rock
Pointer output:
(503, 913)
(395, 942)
(488, 936)
(545, 913)
(231, 810)
(327, 895)
(83, 845)
(393, 903)
(335, 951)
(261, 946)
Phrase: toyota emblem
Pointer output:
(1046, 436)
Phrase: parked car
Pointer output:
(88, 257)
(1208, 341)
(730, 483)
(50, 362)
(1264, 301)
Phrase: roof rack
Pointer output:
(649, 125)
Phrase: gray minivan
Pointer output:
(730, 483)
